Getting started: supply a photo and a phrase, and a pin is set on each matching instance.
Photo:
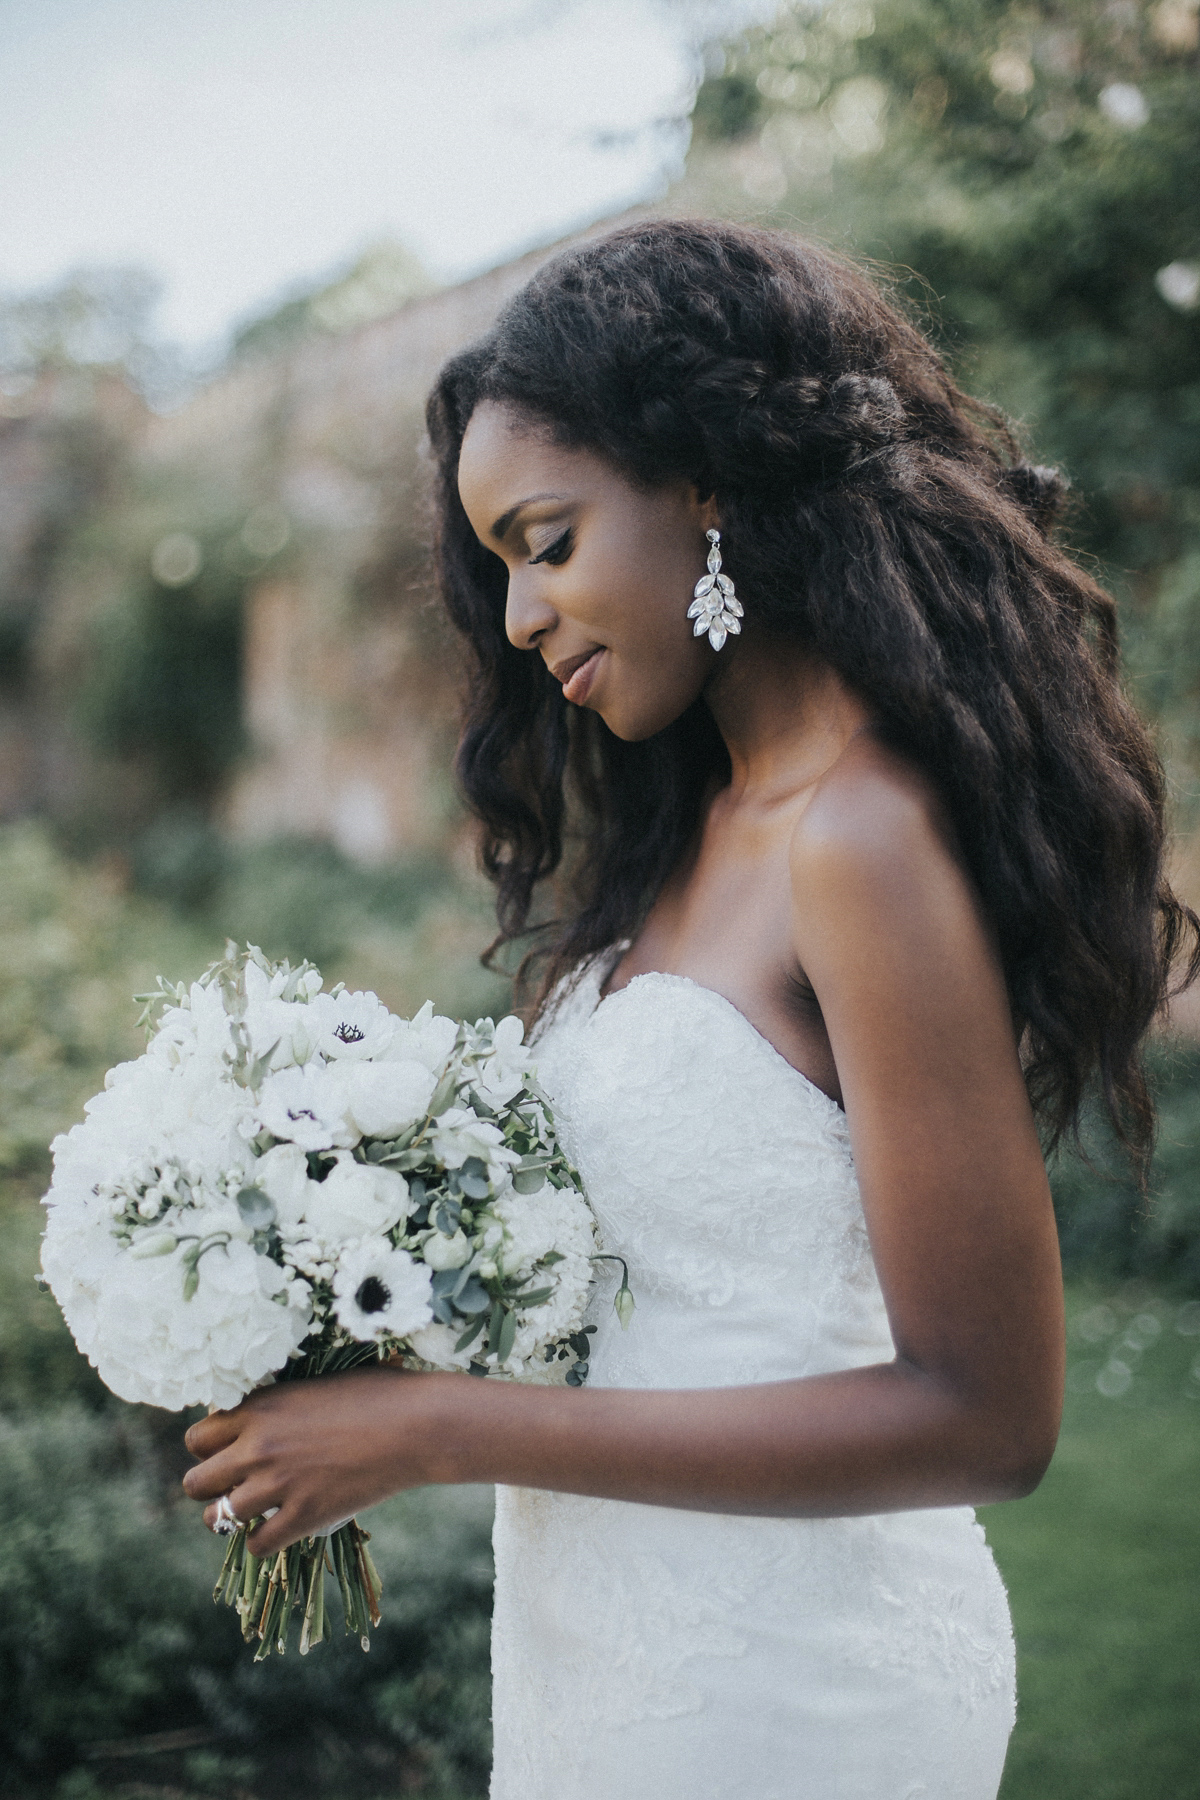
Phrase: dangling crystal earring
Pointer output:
(716, 608)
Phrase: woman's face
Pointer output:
(600, 572)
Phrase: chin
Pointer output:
(635, 720)
(635, 728)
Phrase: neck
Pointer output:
(785, 715)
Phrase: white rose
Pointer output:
(356, 1200)
(383, 1099)
(282, 1174)
(441, 1252)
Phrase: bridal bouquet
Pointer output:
(291, 1182)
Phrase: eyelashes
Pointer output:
(558, 551)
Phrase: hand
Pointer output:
(319, 1450)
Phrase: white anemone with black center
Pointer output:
(380, 1292)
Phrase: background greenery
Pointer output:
(976, 149)
(119, 1675)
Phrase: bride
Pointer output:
(778, 675)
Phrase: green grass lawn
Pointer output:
(1103, 1565)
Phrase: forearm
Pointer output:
(878, 1439)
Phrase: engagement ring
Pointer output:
(226, 1521)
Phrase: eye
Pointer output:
(558, 551)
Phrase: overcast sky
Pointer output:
(240, 147)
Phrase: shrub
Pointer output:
(108, 1634)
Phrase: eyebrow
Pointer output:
(505, 520)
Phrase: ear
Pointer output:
(706, 510)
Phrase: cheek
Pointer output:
(640, 583)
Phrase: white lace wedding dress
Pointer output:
(647, 1653)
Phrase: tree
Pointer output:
(1034, 170)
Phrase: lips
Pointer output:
(577, 674)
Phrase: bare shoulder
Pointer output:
(873, 817)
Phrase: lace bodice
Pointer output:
(725, 1179)
(668, 1655)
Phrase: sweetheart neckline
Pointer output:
(698, 987)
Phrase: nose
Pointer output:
(527, 613)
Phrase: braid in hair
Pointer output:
(885, 520)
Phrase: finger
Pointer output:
(217, 1476)
(248, 1501)
(207, 1436)
(276, 1533)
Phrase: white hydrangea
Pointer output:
(130, 1319)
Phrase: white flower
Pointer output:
(435, 1344)
(535, 1224)
(353, 1026)
(556, 1219)
(179, 1115)
(282, 1174)
(460, 1133)
(441, 1252)
(380, 1292)
(425, 1038)
(199, 1027)
(356, 1200)
(503, 1074)
(289, 1030)
(307, 1107)
(129, 1317)
(382, 1099)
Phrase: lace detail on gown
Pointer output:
(647, 1653)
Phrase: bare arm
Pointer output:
(888, 932)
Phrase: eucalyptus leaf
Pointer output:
(473, 1297)
(444, 1093)
(507, 1337)
(257, 1209)
(538, 1297)
(408, 1159)
(471, 1333)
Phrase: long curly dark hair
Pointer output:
(882, 518)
